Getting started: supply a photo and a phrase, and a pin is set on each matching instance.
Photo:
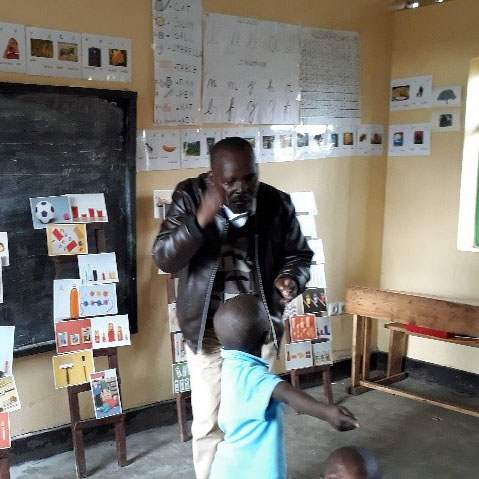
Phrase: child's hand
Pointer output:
(341, 419)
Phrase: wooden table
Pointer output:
(400, 309)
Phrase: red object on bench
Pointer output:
(428, 331)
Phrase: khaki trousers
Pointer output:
(205, 379)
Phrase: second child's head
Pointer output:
(351, 463)
(242, 323)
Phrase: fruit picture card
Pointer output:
(66, 239)
(88, 208)
(5, 440)
(98, 268)
(4, 253)
(9, 400)
(6, 349)
(73, 336)
(105, 393)
(110, 331)
(50, 209)
(72, 368)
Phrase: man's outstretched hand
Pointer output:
(288, 289)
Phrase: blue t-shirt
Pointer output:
(252, 421)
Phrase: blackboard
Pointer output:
(54, 141)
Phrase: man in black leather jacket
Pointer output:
(226, 233)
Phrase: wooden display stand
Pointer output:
(324, 370)
(4, 464)
(77, 424)
(403, 308)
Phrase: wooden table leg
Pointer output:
(4, 465)
(182, 421)
(77, 435)
(366, 360)
(120, 442)
(357, 350)
(397, 352)
(328, 391)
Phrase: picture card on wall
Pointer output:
(50, 209)
(105, 393)
(73, 335)
(318, 276)
(322, 353)
(66, 299)
(4, 251)
(314, 300)
(444, 96)
(308, 225)
(311, 142)
(9, 399)
(304, 202)
(110, 331)
(298, 355)
(179, 351)
(410, 139)
(72, 368)
(1, 283)
(370, 140)
(267, 142)
(98, 299)
(53, 52)
(172, 318)
(7, 334)
(250, 133)
(180, 376)
(411, 93)
(211, 136)
(192, 149)
(446, 120)
(316, 244)
(98, 268)
(284, 145)
(303, 327)
(164, 149)
(66, 239)
(161, 201)
(323, 326)
(5, 439)
(12, 48)
(88, 208)
(348, 140)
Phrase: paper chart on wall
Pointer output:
(12, 48)
(163, 149)
(311, 142)
(193, 149)
(410, 140)
(106, 58)
(411, 93)
(330, 76)
(370, 140)
(53, 52)
(446, 96)
(177, 41)
(446, 120)
(250, 71)
(249, 133)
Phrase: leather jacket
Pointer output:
(277, 245)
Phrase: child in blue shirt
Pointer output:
(251, 409)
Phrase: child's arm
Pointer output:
(340, 418)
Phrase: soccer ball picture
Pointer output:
(45, 212)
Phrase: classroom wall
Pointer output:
(422, 193)
(349, 191)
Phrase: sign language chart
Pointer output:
(177, 40)
(250, 71)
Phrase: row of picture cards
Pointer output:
(306, 354)
(41, 51)
(190, 148)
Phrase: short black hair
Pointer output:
(232, 143)
(357, 459)
(242, 323)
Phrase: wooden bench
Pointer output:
(400, 309)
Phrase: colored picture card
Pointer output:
(110, 331)
(323, 326)
(50, 209)
(446, 96)
(298, 355)
(66, 239)
(73, 336)
(105, 393)
(322, 353)
(314, 300)
(72, 368)
(161, 202)
(411, 93)
(180, 378)
(303, 327)
(9, 399)
(4, 252)
(97, 300)
(179, 351)
(98, 268)
(12, 48)
(66, 299)
(172, 318)
(5, 439)
(88, 208)
(7, 334)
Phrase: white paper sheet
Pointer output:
(330, 76)
(311, 142)
(322, 353)
(410, 140)
(411, 93)
(284, 144)
(164, 149)
(4, 251)
(446, 120)
(53, 52)
(161, 200)
(210, 137)
(308, 225)
(370, 139)
(177, 42)
(318, 277)
(12, 48)
(304, 202)
(445, 96)
(298, 355)
(193, 144)
(250, 71)
(317, 246)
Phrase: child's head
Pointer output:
(242, 323)
(352, 463)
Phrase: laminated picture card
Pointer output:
(66, 239)
(72, 368)
(105, 393)
(6, 349)
(98, 268)
(73, 336)
(110, 331)
(298, 355)
(9, 399)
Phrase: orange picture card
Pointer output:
(66, 239)
(73, 335)
(303, 327)
(5, 441)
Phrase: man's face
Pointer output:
(235, 175)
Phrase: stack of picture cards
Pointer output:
(310, 327)
(9, 399)
(4, 259)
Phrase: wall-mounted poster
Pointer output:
(110, 331)
(50, 209)
(12, 48)
(105, 393)
(411, 93)
(323, 326)
(98, 268)
(53, 52)
(72, 368)
(66, 239)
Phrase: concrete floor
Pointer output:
(411, 440)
